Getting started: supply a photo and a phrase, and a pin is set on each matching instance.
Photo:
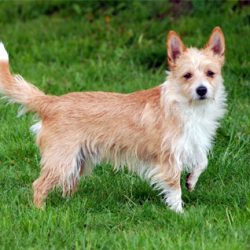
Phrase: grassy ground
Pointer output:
(70, 48)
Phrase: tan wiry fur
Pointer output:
(142, 130)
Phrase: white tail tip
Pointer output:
(3, 53)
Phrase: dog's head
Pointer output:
(196, 73)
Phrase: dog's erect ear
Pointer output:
(175, 47)
(216, 42)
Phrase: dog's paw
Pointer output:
(174, 201)
(178, 208)
(190, 184)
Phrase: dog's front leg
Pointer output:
(173, 198)
(194, 175)
(167, 179)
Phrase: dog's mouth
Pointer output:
(202, 98)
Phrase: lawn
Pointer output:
(120, 46)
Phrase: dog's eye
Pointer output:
(187, 75)
(210, 73)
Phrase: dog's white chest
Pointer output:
(199, 127)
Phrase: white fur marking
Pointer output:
(35, 129)
(173, 199)
(21, 111)
(3, 53)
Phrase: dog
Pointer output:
(157, 133)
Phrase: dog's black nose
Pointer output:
(201, 91)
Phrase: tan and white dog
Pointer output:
(157, 133)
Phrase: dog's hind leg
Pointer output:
(62, 166)
(43, 185)
(81, 166)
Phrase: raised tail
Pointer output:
(16, 88)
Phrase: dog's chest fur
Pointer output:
(199, 127)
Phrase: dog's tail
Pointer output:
(16, 88)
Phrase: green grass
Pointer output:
(74, 49)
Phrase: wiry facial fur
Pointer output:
(156, 133)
